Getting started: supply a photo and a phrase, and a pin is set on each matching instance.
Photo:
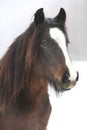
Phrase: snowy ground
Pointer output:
(69, 111)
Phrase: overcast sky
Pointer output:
(15, 17)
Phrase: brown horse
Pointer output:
(37, 57)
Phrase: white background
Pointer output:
(16, 15)
(69, 109)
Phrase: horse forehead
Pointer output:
(58, 36)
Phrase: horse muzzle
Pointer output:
(66, 83)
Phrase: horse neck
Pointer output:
(38, 85)
(34, 93)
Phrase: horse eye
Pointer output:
(44, 43)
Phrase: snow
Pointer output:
(69, 110)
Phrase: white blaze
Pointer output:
(59, 37)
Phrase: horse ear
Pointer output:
(61, 16)
(39, 16)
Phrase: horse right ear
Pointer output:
(39, 16)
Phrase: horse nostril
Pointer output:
(65, 78)
(77, 78)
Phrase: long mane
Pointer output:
(15, 66)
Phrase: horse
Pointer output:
(36, 58)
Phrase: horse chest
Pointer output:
(36, 119)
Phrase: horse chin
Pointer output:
(66, 86)
(59, 87)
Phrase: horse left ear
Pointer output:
(61, 16)
(39, 16)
